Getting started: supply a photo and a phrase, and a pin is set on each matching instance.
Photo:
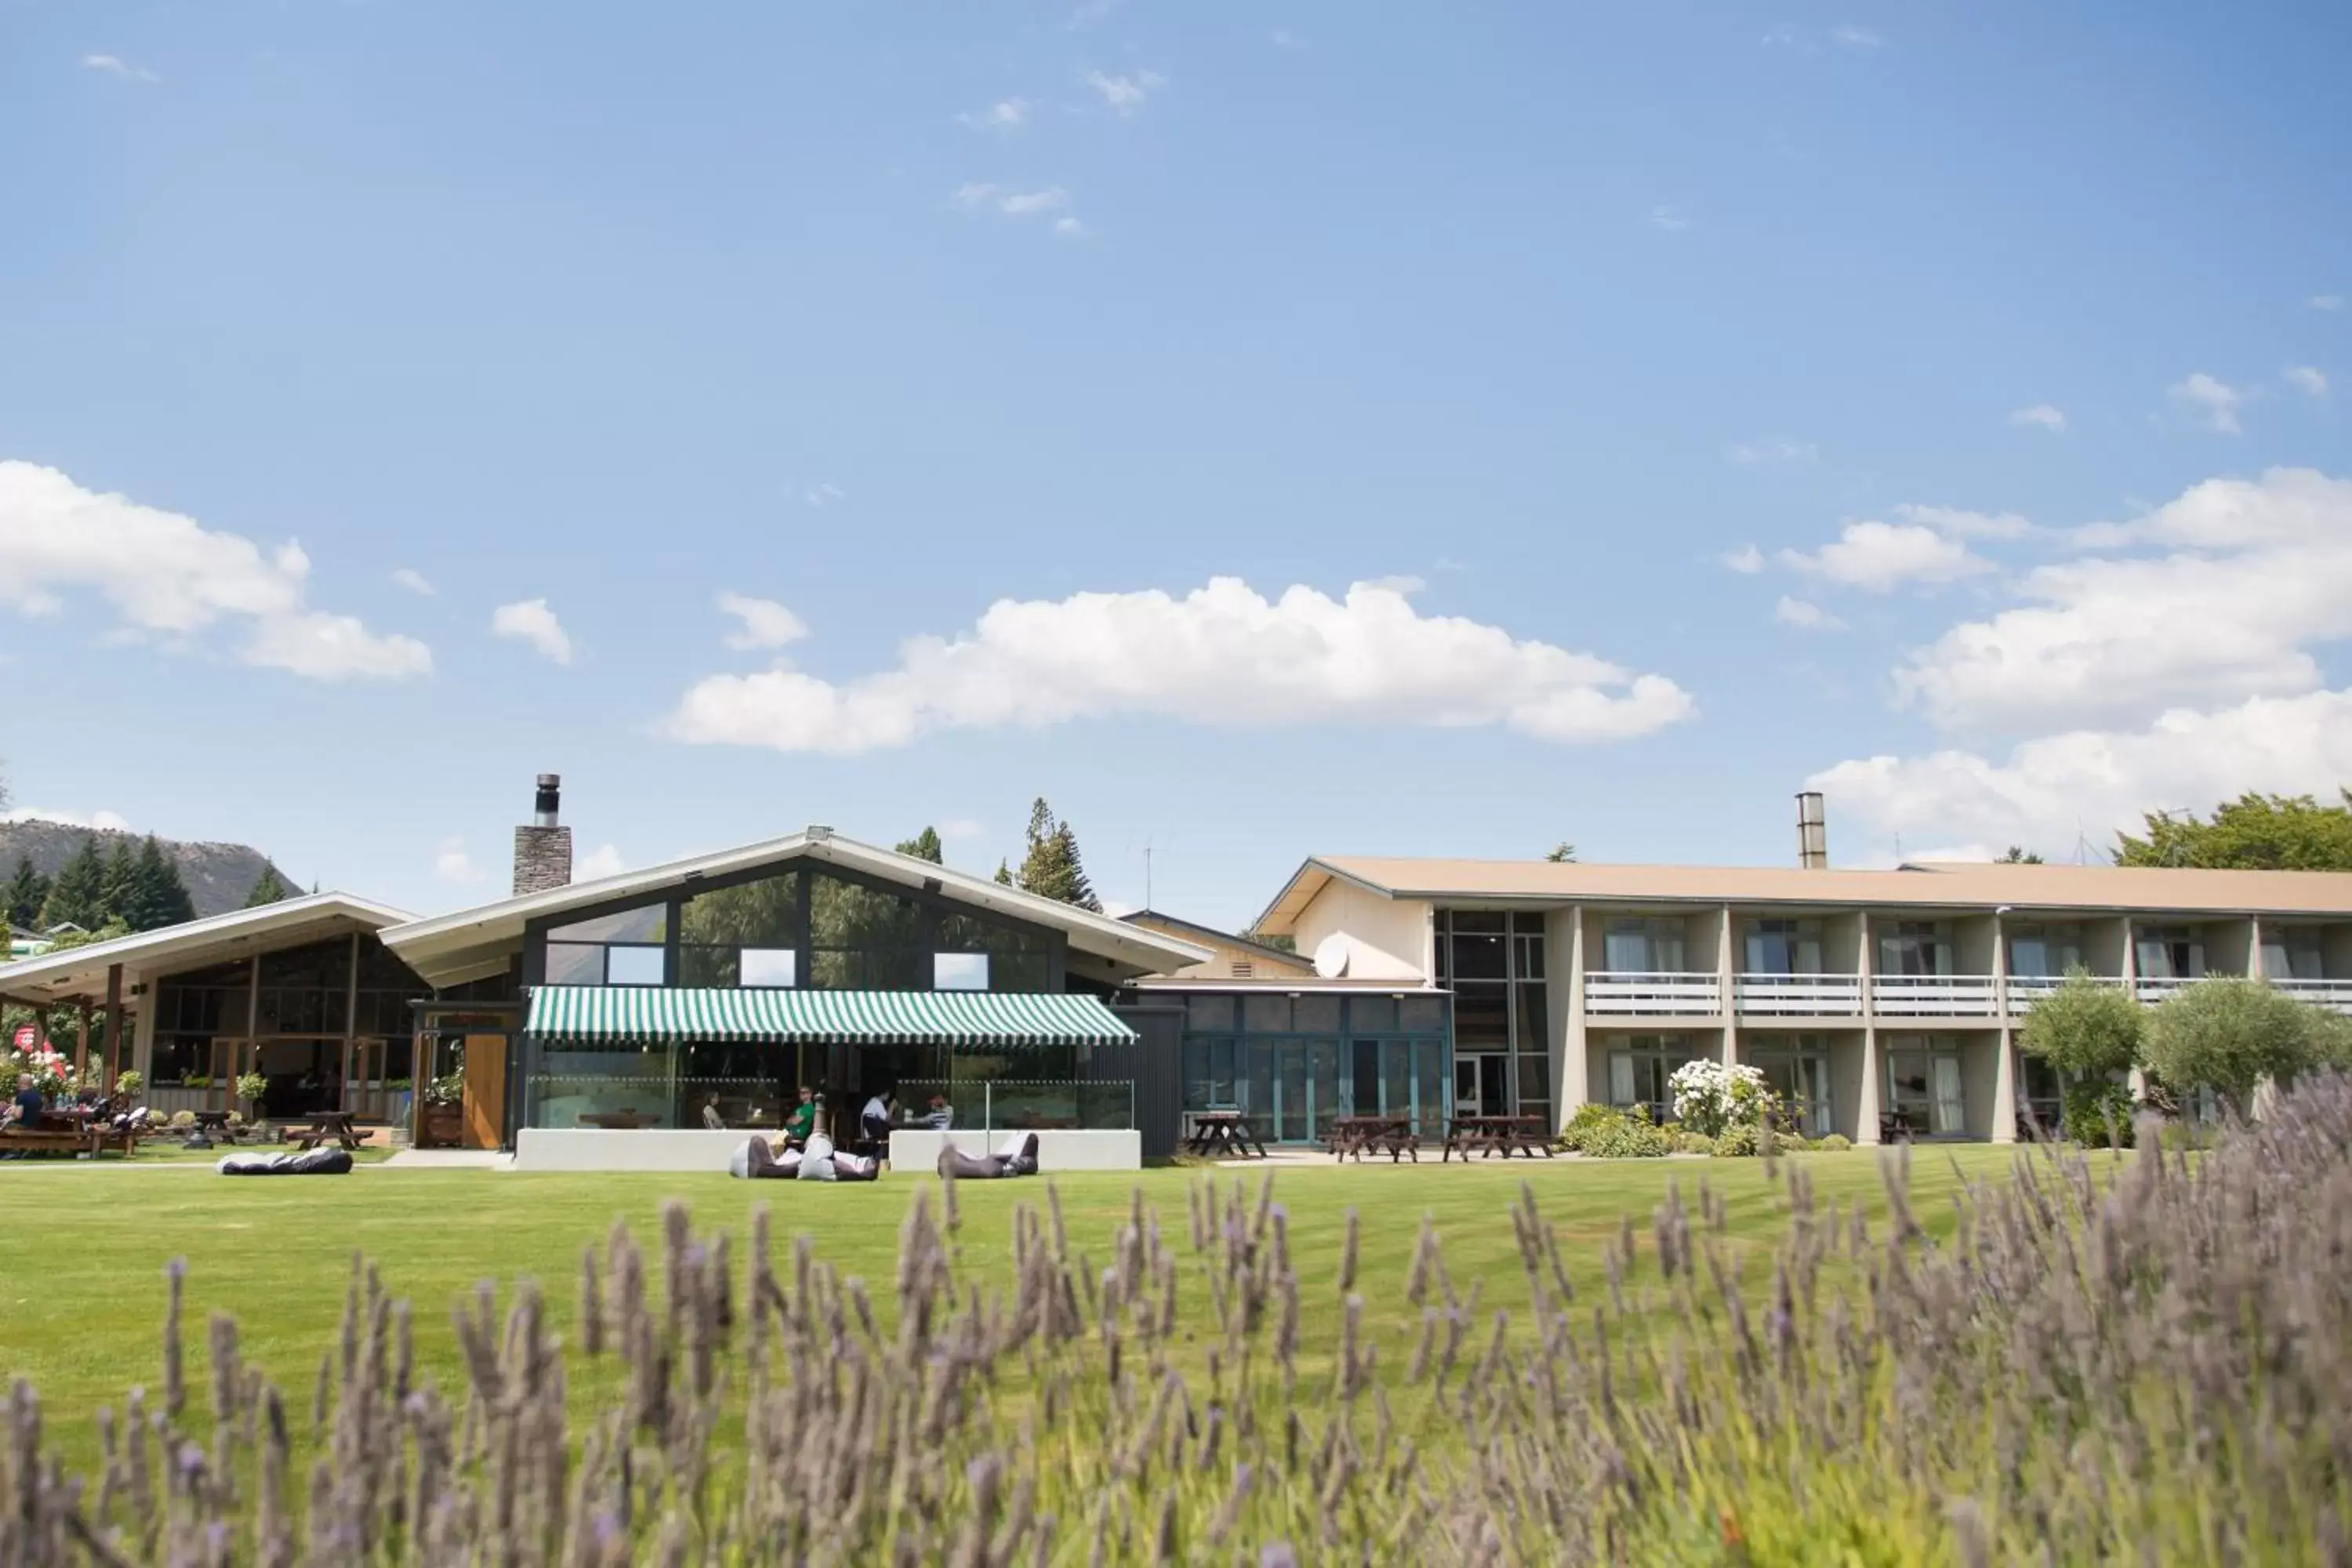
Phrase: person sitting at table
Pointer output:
(802, 1122)
(711, 1117)
(875, 1120)
(940, 1117)
(28, 1106)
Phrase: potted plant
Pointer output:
(250, 1087)
(443, 1125)
(128, 1084)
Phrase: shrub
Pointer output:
(252, 1086)
(2098, 1112)
(1628, 1137)
(2084, 1028)
(184, 1119)
(2228, 1035)
(129, 1083)
(1738, 1141)
(1835, 1143)
(1710, 1097)
(1588, 1117)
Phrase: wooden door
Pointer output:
(486, 1090)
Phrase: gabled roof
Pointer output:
(1210, 933)
(463, 945)
(1919, 885)
(81, 971)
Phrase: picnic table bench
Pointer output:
(1490, 1135)
(335, 1124)
(1351, 1136)
(1216, 1132)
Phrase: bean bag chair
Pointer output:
(757, 1159)
(1017, 1158)
(310, 1162)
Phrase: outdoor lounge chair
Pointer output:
(1017, 1158)
(329, 1161)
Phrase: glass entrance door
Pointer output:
(1480, 1085)
(1924, 1088)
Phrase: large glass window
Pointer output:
(1924, 1088)
(1797, 1067)
(1292, 1063)
(2293, 953)
(1784, 947)
(719, 932)
(958, 972)
(2044, 951)
(1915, 947)
(862, 938)
(625, 948)
(1020, 958)
(2170, 952)
(1646, 946)
(1640, 1069)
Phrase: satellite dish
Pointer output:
(1331, 956)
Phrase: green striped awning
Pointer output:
(660, 1013)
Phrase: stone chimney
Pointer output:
(543, 851)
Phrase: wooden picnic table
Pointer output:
(212, 1127)
(1216, 1132)
(1351, 1136)
(325, 1124)
(1490, 1135)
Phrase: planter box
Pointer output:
(444, 1127)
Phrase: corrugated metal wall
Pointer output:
(1154, 1065)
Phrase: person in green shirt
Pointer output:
(802, 1120)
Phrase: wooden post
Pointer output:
(349, 1100)
(251, 1055)
(110, 1055)
(81, 1041)
(40, 1032)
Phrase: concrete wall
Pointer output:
(1973, 944)
(2336, 950)
(1980, 1081)
(2106, 941)
(1376, 938)
(2229, 947)
(918, 1152)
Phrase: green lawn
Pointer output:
(82, 1290)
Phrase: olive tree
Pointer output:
(2084, 1029)
(2228, 1035)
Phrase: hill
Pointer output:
(218, 875)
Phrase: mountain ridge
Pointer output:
(218, 875)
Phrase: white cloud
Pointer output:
(2325, 302)
(1883, 556)
(1670, 217)
(1005, 114)
(532, 622)
(819, 496)
(1854, 38)
(115, 65)
(2042, 415)
(414, 581)
(766, 623)
(2307, 380)
(2255, 570)
(1070, 227)
(1090, 12)
(960, 828)
(2093, 782)
(1805, 616)
(1284, 39)
(2212, 403)
(1125, 93)
(452, 864)
(603, 861)
(1772, 454)
(1747, 559)
(109, 821)
(1964, 524)
(169, 577)
(1221, 655)
(974, 195)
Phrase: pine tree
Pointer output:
(268, 887)
(119, 885)
(1003, 874)
(924, 846)
(162, 897)
(77, 895)
(1052, 867)
(25, 894)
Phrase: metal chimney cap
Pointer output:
(551, 781)
(816, 830)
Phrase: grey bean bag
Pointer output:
(1017, 1158)
(310, 1162)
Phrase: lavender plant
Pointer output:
(2147, 1361)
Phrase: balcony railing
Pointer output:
(2024, 989)
(2154, 989)
(1805, 996)
(2335, 993)
(1932, 996)
(1625, 992)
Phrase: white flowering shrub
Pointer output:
(1710, 1097)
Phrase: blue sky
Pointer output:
(1938, 402)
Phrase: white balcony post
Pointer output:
(2254, 948)
(1726, 990)
(1569, 1010)
(2138, 1079)
(1865, 1110)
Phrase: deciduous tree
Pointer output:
(2084, 1028)
(2254, 832)
(2228, 1035)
